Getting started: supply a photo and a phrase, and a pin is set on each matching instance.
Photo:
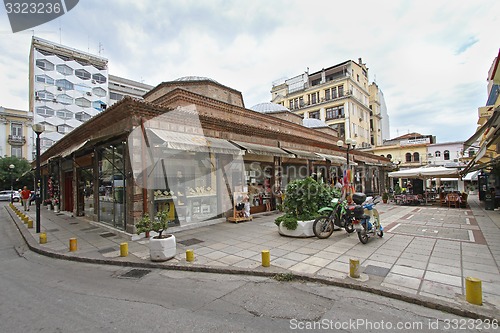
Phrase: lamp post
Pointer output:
(350, 145)
(11, 170)
(38, 129)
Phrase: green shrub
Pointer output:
(304, 197)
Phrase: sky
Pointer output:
(430, 58)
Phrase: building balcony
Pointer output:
(17, 140)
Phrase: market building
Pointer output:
(192, 148)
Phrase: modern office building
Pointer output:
(15, 131)
(67, 87)
(338, 95)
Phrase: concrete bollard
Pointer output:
(123, 249)
(30, 224)
(189, 255)
(43, 238)
(266, 258)
(473, 291)
(73, 245)
(354, 268)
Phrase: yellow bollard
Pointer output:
(123, 249)
(43, 238)
(30, 224)
(354, 268)
(72, 244)
(266, 258)
(189, 255)
(473, 291)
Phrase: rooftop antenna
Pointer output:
(100, 48)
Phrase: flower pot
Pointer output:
(162, 249)
(304, 229)
(56, 208)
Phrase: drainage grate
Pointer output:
(191, 241)
(51, 230)
(135, 273)
(107, 234)
(376, 270)
(107, 250)
(90, 228)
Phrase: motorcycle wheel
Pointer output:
(323, 227)
(349, 227)
(363, 236)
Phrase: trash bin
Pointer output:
(489, 201)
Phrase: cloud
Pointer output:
(430, 58)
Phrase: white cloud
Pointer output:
(430, 58)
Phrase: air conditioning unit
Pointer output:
(59, 88)
(54, 100)
(89, 93)
(355, 135)
(93, 81)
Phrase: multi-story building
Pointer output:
(120, 87)
(15, 129)
(338, 95)
(379, 118)
(447, 154)
(68, 87)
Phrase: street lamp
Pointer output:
(350, 145)
(38, 129)
(11, 170)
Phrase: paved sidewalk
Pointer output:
(424, 257)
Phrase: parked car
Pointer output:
(6, 195)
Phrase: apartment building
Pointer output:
(15, 131)
(67, 87)
(339, 95)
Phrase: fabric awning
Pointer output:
(254, 148)
(471, 176)
(191, 142)
(305, 154)
(73, 149)
(334, 159)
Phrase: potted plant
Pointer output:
(162, 246)
(304, 197)
(55, 203)
(385, 197)
(144, 225)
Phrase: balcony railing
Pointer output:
(17, 139)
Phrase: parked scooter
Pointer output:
(366, 217)
(338, 215)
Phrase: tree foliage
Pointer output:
(20, 176)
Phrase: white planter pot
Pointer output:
(162, 249)
(56, 208)
(304, 229)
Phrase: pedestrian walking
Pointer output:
(25, 197)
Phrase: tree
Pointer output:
(21, 174)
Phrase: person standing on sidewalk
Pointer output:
(25, 196)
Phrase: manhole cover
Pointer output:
(107, 250)
(107, 234)
(432, 231)
(376, 270)
(191, 241)
(135, 273)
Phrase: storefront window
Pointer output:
(186, 187)
(258, 179)
(112, 186)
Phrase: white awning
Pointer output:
(472, 176)
(191, 142)
(253, 148)
(305, 154)
(334, 159)
(72, 149)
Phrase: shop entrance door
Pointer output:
(68, 191)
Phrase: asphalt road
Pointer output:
(41, 294)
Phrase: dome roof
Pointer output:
(313, 122)
(268, 108)
(194, 78)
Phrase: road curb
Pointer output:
(476, 312)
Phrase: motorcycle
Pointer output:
(338, 215)
(366, 217)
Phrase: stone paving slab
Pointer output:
(411, 259)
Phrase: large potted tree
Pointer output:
(304, 197)
(162, 246)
